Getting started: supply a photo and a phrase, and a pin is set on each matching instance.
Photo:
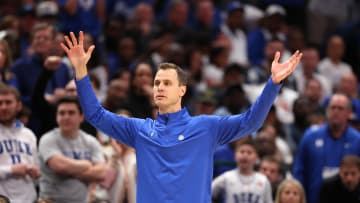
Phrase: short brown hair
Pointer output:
(350, 160)
(6, 89)
(182, 75)
(42, 26)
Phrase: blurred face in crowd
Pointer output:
(338, 111)
(290, 193)
(272, 47)
(335, 48)
(313, 90)
(69, 118)
(42, 41)
(9, 107)
(350, 176)
(205, 12)
(245, 157)
(270, 170)
(348, 85)
(178, 14)
(310, 60)
(144, 13)
(167, 91)
(143, 76)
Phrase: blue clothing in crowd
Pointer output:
(175, 151)
(319, 156)
(27, 70)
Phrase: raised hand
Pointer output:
(76, 53)
(279, 71)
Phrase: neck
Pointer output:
(337, 130)
(246, 171)
(7, 123)
(169, 109)
(69, 134)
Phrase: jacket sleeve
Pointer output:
(237, 126)
(118, 127)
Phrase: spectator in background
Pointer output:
(290, 191)
(243, 183)
(47, 11)
(271, 167)
(308, 70)
(205, 19)
(117, 94)
(323, 18)
(18, 155)
(6, 76)
(234, 101)
(70, 158)
(332, 65)
(344, 187)
(28, 68)
(88, 16)
(323, 147)
(273, 27)
(234, 28)
(140, 103)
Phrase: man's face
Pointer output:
(68, 117)
(270, 170)
(350, 176)
(9, 107)
(338, 110)
(167, 91)
(42, 41)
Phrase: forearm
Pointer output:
(69, 167)
(95, 173)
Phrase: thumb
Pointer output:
(90, 50)
(276, 57)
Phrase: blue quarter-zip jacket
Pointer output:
(175, 152)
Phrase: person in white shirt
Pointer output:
(18, 152)
(242, 184)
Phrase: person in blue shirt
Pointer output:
(174, 152)
(323, 147)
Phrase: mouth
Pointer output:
(159, 97)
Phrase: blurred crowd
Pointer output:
(307, 150)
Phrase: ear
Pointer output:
(182, 90)
(19, 106)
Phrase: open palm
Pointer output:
(75, 50)
(279, 71)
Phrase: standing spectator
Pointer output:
(309, 64)
(70, 159)
(243, 183)
(141, 92)
(28, 68)
(345, 186)
(234, 29)
(273, 27)
(18, 152)
(271, 167)
(322, 148)
(6, 76)
(85, 15)
(290, 191)
(332, 66)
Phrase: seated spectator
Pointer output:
(271, 168)
(344, 187)
(290, 191)
(243, 183)
(70, 159)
